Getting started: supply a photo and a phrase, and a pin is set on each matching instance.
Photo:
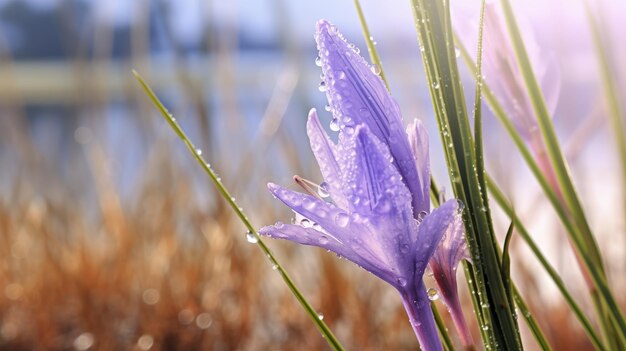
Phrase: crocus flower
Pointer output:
(443, 264)
(505, 78)
(502, 74)
(377, 215)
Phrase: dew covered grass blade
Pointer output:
(252, 236)
(432, 19)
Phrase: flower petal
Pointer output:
(372, 184)
(352, 231)
(324, 151)
(431, 230)
(444, 262)
(357, 95)
(418, 140)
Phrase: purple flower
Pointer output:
(443, 264)
(377, 181)
(503, 75)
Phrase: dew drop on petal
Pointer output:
(320, 316)
(251, 238)
(323, 240)
(404, 248)
(342, 219)
(322, 190)
(318, 61)
(457, 52)
(432, 294)
(402, 281)
(306, 223)
(334, 125)
(199, 152)
(322, 87)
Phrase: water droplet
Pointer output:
(151, 296)
(327, 107)
(251, 238)
(145, 342)
(323, 240)
(432, 294)
(436, 86)
(274, 266)
(204, 320)
(373, 41)
(185, 317)
(84, 341)
(376, 69)
(322, 87)
(460, 205)
(306, 223)
(485, 327)
(421, 216)
(383, 206)
(320, 316)
(402, 281)
(334, 125)
(322, 190)
(198, 152)
(404, 248)
(342, 219)
(318, 61)
(457, 52)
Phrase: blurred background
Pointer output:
(112, 238)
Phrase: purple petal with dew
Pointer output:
(356, 95)
(320, 238)
(418, 140)
(377, 195)
(324, 151)
(372, 184)
(353, 232)
(431, 230)
(417, 306)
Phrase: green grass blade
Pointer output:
(569, 299)
(432, 19)
(506, 258)
(443, 332)
(547, 130)
(530, 321)
(588, 248)
(323, 328)
(369, 40)
(616, 112)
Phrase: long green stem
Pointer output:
(369, 41)
(588, 248)
(523, 232)
(434, 29)
(323, 328)
(530, 321)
